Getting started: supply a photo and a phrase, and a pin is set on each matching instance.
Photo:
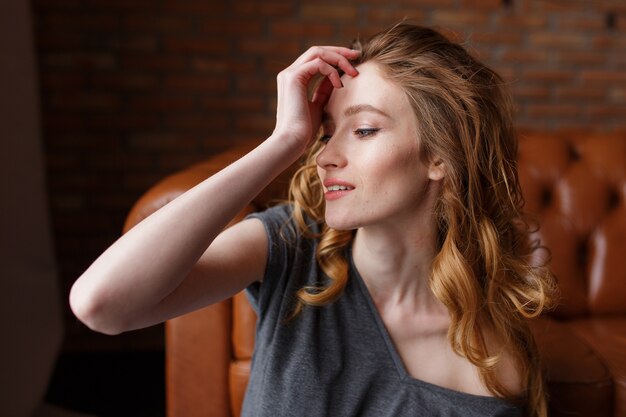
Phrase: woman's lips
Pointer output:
(336, 188)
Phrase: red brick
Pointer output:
(70, 182)
(522, 21)
(391, 16)
(56, 41)
(524, 56)
(269, 47)
(585, 58)
(151, 62)
(274, 65)
(84, 100)
(327, 11)
(559, 40)
(617, 111)
(604, 77)
(56, 121)
(249, 103)
(296, 29)
(205, 83)
(161, 103)
(255, 84)
(529, 93)
(604, 41)
(83, 22)
(621, 21)
(67, 202)
(155, 23)
(584, 93)
(125, 81)
(497, 38)
(482, 53)
(617, 61)
(221, 65)
(255, 123)
(132, 43)
(588, 21)
(452, 35)
(317, 41)
(508, 74)
(557, 6)
(455, 18)
(612, 5)
(554, 110)
(481, 4)
(265, 8)
(548, 75)
(63, 81)
(105, 122)
(119, 5)
(617, 95)
(43, 5)
(423, 3)
(80, 60)
(162, 141)
(195, 7)
(195, 44)
(235, 27)
(69, 142)
(208, 122)
(63, 161)
(349, 32)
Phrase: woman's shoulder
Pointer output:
(508, 368)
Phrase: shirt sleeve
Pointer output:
(282, 237)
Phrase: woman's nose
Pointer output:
(331, 156)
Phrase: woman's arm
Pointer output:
(176, 260)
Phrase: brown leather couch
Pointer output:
(574, 183)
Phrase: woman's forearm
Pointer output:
(150, 261)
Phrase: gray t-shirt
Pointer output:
(336, 360)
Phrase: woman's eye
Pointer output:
(325, 138)
(364, 132)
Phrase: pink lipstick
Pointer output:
(336, 188)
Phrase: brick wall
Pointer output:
(136, 89)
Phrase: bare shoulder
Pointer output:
(508, 369)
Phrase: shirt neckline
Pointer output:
(404, 375)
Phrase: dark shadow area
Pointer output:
(110, 384)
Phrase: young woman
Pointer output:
(395, 282)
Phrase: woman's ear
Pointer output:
(436, 169)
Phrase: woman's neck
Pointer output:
(395, 263)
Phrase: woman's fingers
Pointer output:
(296, 112)
(318, 66)
(336, 56)
(322, 93)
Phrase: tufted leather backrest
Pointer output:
(575, 184)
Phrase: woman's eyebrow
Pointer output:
(357, 108)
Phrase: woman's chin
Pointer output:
(339, 223)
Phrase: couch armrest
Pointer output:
(198, 352)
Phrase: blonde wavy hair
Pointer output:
(481, 272)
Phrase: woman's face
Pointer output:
(371, 166)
